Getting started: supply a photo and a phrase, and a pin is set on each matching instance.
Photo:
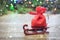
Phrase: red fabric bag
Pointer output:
(39, 20)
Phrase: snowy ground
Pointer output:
(12, 25)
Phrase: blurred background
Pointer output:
(15, 13)
(21, 6)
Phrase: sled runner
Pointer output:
(34, 31)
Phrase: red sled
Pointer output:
(34, 31)
(38, 23)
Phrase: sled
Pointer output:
(34, 31)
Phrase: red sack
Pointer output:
(39, 20)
